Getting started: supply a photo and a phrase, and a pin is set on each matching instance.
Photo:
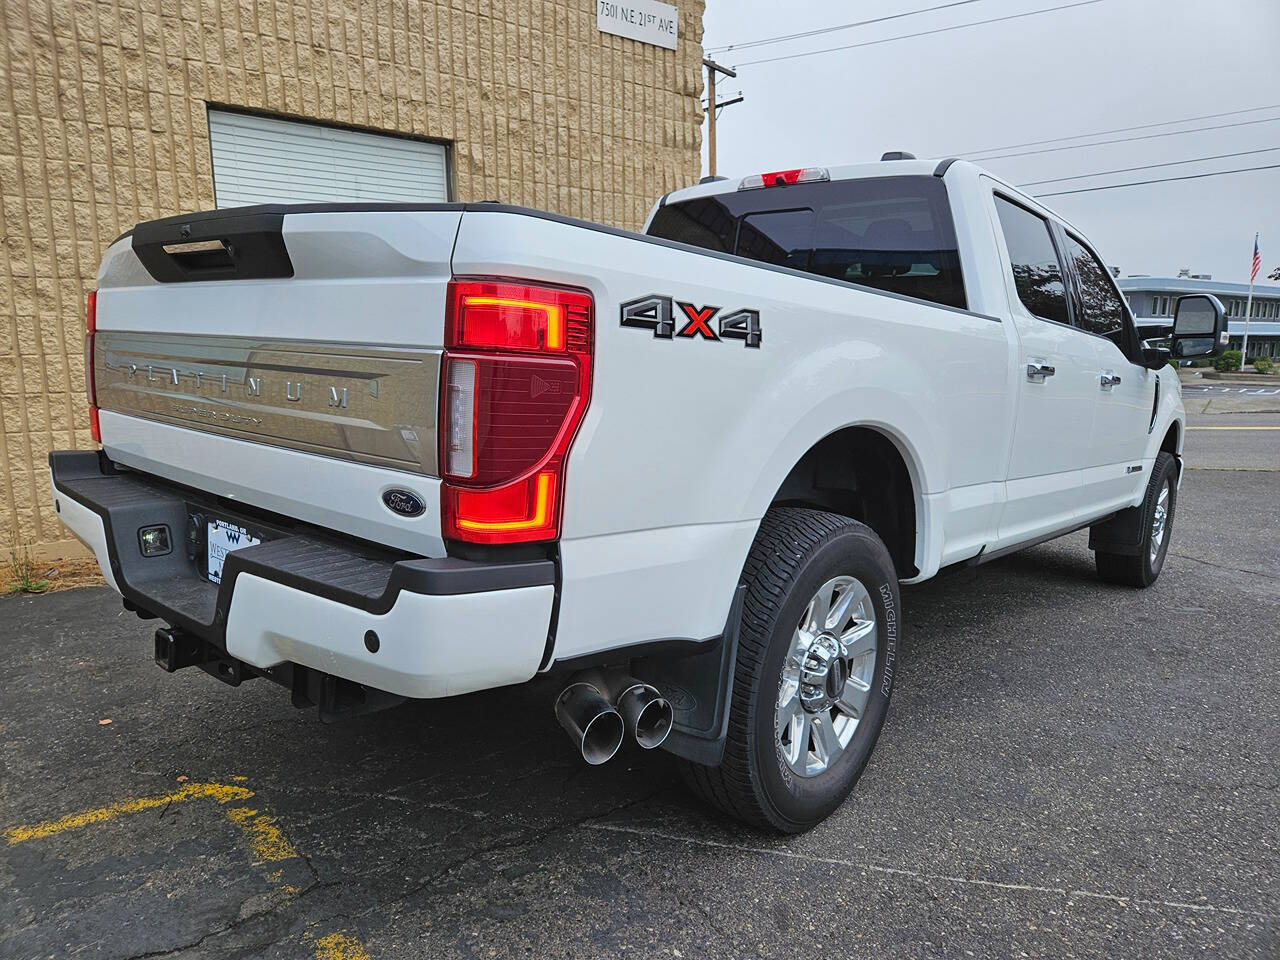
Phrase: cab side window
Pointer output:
(1101, 311)
(1037, 272)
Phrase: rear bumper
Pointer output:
(443, 626)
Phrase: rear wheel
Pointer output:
(817, 649)
(1142, 568)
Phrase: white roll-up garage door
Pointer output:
(266, 160)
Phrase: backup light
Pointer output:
(461, 404)
(782, 178)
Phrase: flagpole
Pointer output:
(1248, 309)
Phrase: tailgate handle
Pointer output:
(216, 245)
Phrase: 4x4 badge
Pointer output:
(657, 313)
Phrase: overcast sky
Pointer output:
(1110, 64)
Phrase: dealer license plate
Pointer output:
(225, 538)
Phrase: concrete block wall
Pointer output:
(103, 123)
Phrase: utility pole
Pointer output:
(1248, 315)
(712, 69)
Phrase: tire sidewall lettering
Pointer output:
(890, 639)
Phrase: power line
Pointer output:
(843, 26)
(1142, 183)
(1149, 166)
(1145, 136)
(923, 33)
(969, 154)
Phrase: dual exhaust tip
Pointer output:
(600, 708)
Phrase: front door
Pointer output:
(1057, 385)
(1114, 472)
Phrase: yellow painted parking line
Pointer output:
(340, 946)
(266, 840)
(223, 793)
(262, 833)
(1234, 428)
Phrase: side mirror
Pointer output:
(1199, 327)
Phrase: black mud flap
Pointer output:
(699, 687)
(1121, 534)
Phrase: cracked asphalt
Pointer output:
(1068, 770)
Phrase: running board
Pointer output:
(984, 557)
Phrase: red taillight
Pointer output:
(90, 328)
(515, 385)
(492, 516)
(509, 316)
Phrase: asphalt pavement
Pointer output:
(1228, 429)
(1069, 769)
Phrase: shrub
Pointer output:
(1227, 362)
(1263, 364)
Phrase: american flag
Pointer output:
(1257, 260)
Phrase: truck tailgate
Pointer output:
(287, 357)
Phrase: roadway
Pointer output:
(1229, 430)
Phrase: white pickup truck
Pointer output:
(395, 451)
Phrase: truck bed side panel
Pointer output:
(688, 432)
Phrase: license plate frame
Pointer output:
(224, 537)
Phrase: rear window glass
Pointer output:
(784, 237)
(887, 233)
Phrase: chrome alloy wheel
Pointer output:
(826, 677)
(1159, 522)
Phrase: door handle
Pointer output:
(1109, 380)
(1037, 370)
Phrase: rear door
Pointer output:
(1056, 380)
(1114, 468)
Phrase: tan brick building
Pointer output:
(104, 121)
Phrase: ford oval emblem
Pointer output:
(404, 502)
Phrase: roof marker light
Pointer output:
(782, 178)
